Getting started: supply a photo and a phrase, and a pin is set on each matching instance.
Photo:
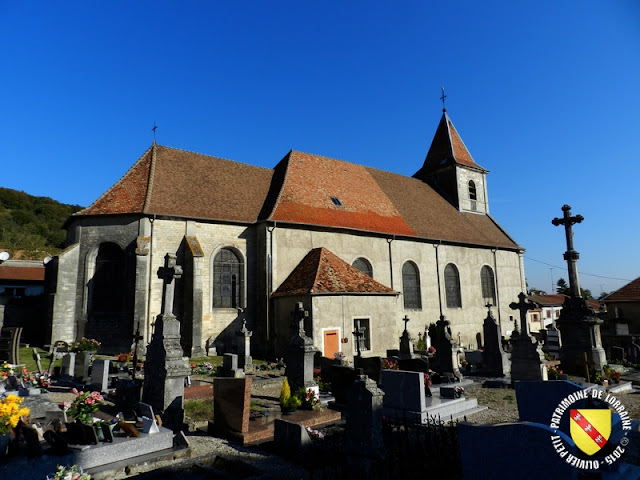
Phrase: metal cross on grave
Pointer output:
(358, 333)
(168, 273)
(136, 338)
(524, 307)
(405, 320)
(571, 256)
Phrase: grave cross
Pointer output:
(358, 333)
(299, 314)
(585, 361)
(405, 320)
(524, 307)
(571, 256)
(168, 273)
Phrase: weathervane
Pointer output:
(442, 97)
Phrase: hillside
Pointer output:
(31, 227)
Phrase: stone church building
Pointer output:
(359, 247)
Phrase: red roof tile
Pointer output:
(30, 274)
(629, 293)
(322, 272)
(547, 300)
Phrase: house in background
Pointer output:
(623, 308)
(548, 312)
(358, 246)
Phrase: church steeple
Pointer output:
(451, 170)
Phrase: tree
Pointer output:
(603, 294)
(585, 293)
(562, 287)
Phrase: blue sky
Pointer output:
(544, 94)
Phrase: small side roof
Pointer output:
(323, 272)
(629, 293)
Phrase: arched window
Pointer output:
(473, 196)
(411, 286)
(364, 266)
(228, 279)
(452, 286)
(487, 280)
(107, 287)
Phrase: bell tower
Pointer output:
(450, 170)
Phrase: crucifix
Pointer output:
(155, 127)
(299, 314)
(167, 273)
(442, 97)
(571, 256)
(524, 307)
(358, 333)
(405, 320)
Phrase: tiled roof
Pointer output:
(447, 147)
(548, 300)
(310, 183)
(299, 190)
(322, 272)
(23, 274)
(629, 293)
(169, 181)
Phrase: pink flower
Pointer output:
(74, 391)
(96, 396)
(65, 404)
(89, 401)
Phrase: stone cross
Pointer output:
(168, 273)
(299, 314)
(524, 307)
(358, 333)
(571, 256)
(405, 320)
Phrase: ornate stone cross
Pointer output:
(299, 314)
(358, 333)
(405, 320)
(524, 307)
(168, 273)
(571, 256)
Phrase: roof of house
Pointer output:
(323, 272)
(22, 271)
(629, 293)
(303, 189)
(548, 300)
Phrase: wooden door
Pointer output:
(331, 343)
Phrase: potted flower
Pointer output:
(431, 350)
(460, 391)
(83, 407)
(10, 415)
(85, 345)
(389, 364)
(73, 472)
(288, 403)
(308, 399)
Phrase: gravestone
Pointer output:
(494, 359)
(552, 342)
(100, 375)
(300, 353)
(404, 395)
(10, 344)
(370, 366)
(68, 364)
(230, 366)
(128, 394)
(292, 439)
(578, 323)
(231, 405)
(364, 419)
(341, 379)
(81, 366)
(165, 367)
(527, 359)
(414, 364)
(446, 354)
(58, 350)
(244, 347)
(406, 347)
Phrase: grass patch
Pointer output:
(508, 398)
(256, 407)
(26, 358)
(199, 410)
(215, 361)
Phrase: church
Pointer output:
(360, 248)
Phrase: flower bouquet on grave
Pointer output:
(427, 384)
(11, 413)
(6, 369)
(73, 472)
(389, 364)
(85, 345)
(308, 399)
(83, 407)
(460, 391)
(431, 350)
(43, 382)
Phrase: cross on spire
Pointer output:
(524, 307)
(443, 97)
(571, 256)
(155, 127)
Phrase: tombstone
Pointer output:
(617, 354)
(406, 347)
(364, 419)
(128, 394)
(552, 342)
(404, 395)
(494, 359)
(244, 347)
(341, 379)
(370, 366)
(81, 366)
(211, 350)
(292, 439)
(414, 364)
(100, 375)
(578, 323)
(68, 364)
(231, 405)
(446, 354)
(165, 367)
(58, 350)
(326, 365)
(300, 353)
(230, 366)
(10, 344)
(527, 359)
